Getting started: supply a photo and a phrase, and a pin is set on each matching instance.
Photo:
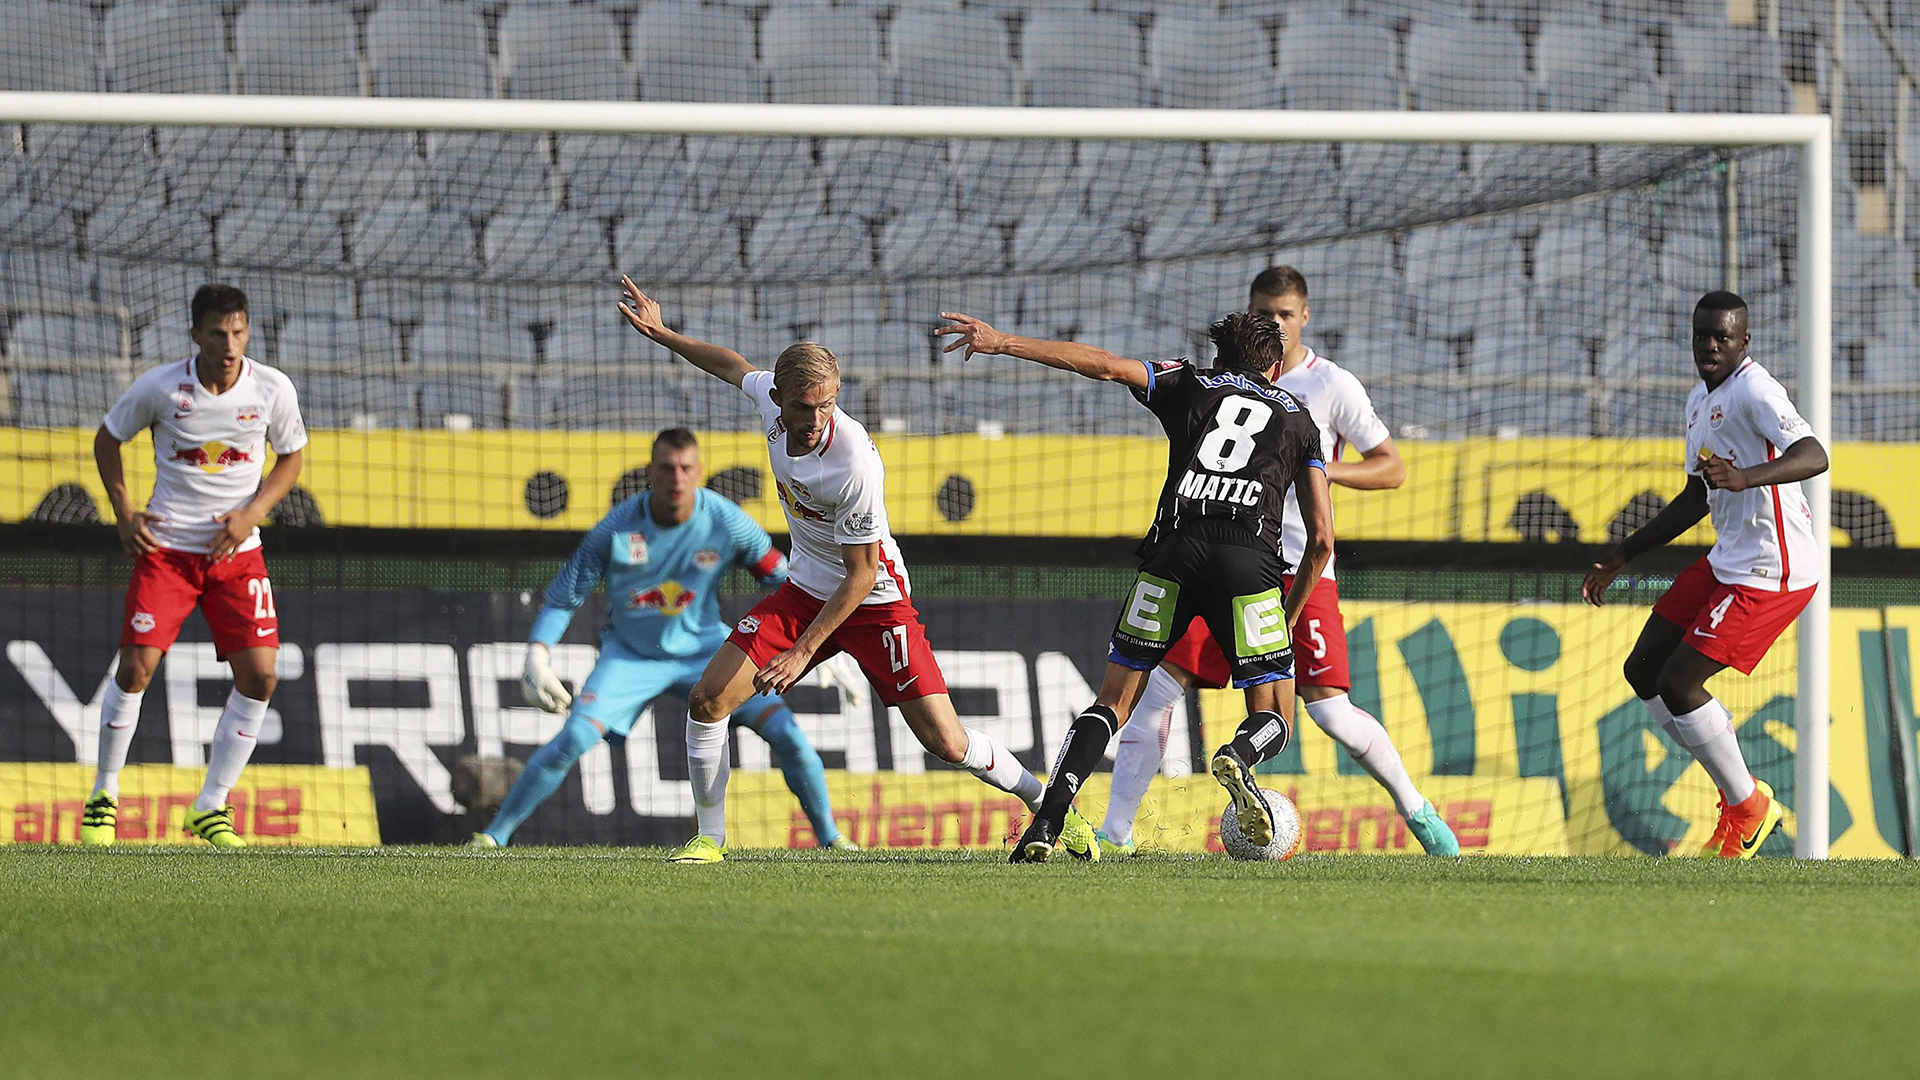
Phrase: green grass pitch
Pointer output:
(546, 962)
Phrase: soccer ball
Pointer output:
(1286, 830)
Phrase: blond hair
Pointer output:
(803, 365)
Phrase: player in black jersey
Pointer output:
(1236, 443)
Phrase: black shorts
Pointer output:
(1236, 588)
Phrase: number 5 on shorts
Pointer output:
(1259, 623)
(1150, 608)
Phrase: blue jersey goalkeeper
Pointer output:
(661, 555)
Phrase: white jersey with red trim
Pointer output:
(833, 494)
(1344, 414)
(208, 449)
(1764, 535)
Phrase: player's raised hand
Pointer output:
(1594, 589)
(541, 688)
(641, 310)
(235, 527)
(972, 334)
(135, 537)
(1720, 473)
(782, 671)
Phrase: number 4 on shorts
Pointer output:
(1150, 608)
(1259, 623)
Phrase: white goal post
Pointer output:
(1812, 135)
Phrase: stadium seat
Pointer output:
(215, 168)
(1706, 13)
(352, 401)
(65, 399)
(919, 244)
(419, 29)
(827, 81)
(1054, 37)
(868, 345)
(1000, 180)
(1741, 92)
(412, 238)
(677, 246)
(44, 336)
(351, 170)
(46, 46)
(1465, 249)
(1695, 261)
(434, 75)
(1369, 301)
(753, 177)
(1457, 64)
(28, 223)
(1409, 182)
(1064, 305)
(154, 291)
(283, 236)
(1582, 64)
(878, 178)
(1134, 182)
(480, 400)
(286, 48)
(826, 245)
(816, 32)
(1886, 360)
(924, 35)
(545, 245)
(1171, 236)
(570, 77)
(1086, 87)
(986, 83)
(611, 175)
(481, 171)
(597, 339)
(1051, 242)
(691, 52)
(418, 300)
(1195, 41)
(470, 341)
(547, 30)
(1329, 61)
(84, 167)
(1235, 84)
(319, 76)
(1291, 191)
(147, 230)
(317, 341)
(161, 46)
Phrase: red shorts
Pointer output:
(235, 596)
(886, 640)
(1734, 624)
(1319, 645)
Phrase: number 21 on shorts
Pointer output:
(261, 590)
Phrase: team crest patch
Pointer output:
(706, 558)
(184, 403)
(586, 697)
(142, 622)
(1716, 416)
(748, 625)
(637, 548)
(248, 414)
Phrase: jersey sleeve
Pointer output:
(862, 514)
(1353, 420)
(135, 412)
(1164, 379)
(753, 549)
(758, 386)
(575, 581)
(286, 431)
(1772, 414)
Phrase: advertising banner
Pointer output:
(273, 805)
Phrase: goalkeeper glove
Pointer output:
(539, 685)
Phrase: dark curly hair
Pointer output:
(1244, 341)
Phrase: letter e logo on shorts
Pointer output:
(1149, 613)
(1259, 623)
(748, 625)
(142, 622)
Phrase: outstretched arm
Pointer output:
(1683, 513)
(643, 312)
(979, 338)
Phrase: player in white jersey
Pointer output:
(1747, 451)
(1344, 414)
(847, 589)
(213, 415)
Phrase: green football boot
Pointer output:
(483, 841)
(99, 819)
(700, 849)
(215, 827)
(841, 843)
(1111, 848)
(1078, 837)
(1428, 827)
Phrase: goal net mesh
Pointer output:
(445, 304)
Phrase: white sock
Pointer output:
(1657, 709)
(1367, 740)
(996, 764)
(1708, 732)
(707, 766)
(233, 742)
(1143, 745)
(119, 715)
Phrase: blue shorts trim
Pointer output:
(1114, 657)
(1272, 676)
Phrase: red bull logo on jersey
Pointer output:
(248, 414)
(1716, 416)
(706, 558)
(799, 508)
(211, 457)
(667, 598)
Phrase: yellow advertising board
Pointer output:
(1016, 485)
(274, 805)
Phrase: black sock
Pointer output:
(1261, 736)
(1080, 753)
